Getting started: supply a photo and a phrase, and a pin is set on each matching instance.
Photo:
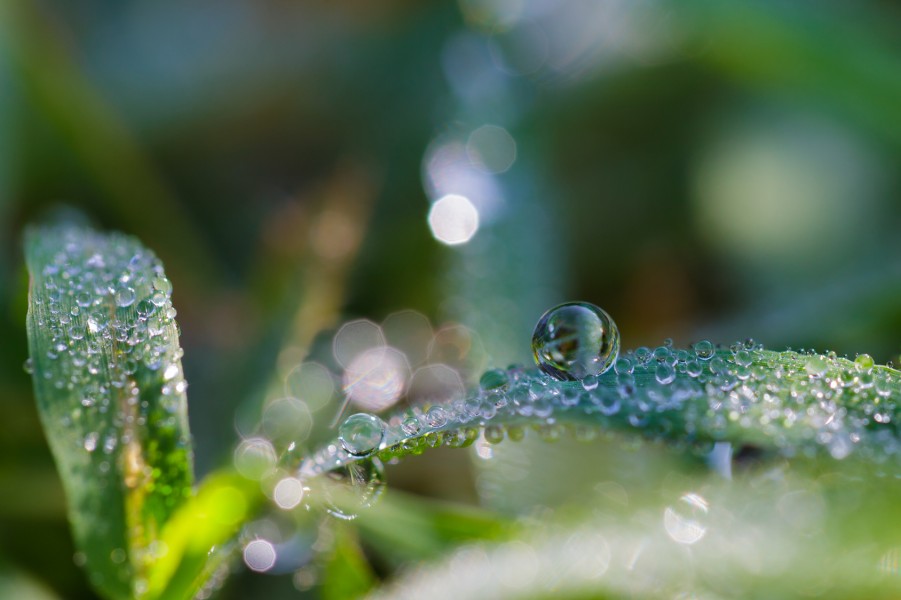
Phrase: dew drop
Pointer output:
(361, 434)
(816, 366)
(665, 373)
(411, 426)
(28, 366)
(864, 363)
(704, 349)
(574, 340)
(436, 417)
(125, 297)
(354, 487)
(494, 379)
(590, 382)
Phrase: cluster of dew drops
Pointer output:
(803, 403)
(102, 304)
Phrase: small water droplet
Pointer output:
(665, 373)
(361, 434)
(28, 366)
(864, 363)
(816, 366)
(494, 379)
(574, 340)
(125, 297)
(704, 349)
(436, 417)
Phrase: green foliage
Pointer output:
(109, 387)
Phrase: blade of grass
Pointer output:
(111, 395)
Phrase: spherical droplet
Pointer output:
(125, 297)
(361, 434)
(362, 481)
(704, 349)
(574, 340)
(494, 379)
(864, 363)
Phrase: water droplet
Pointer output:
(28, 366)
(83, 299)
(411, 425)
(574, 340)
(864, 363)
(436, 417)
(354, 487)
(665, 373)
(816, 366)
(162, 285)
(590, 382)
(125, 297)
(361, 434)
(685, 521)
(494, 379)
(704, 349)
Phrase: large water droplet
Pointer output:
(361, 434)
(574, 340)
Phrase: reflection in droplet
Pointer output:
(259, 555)
(685, 522)
(361, 434)
(574, 340)
(453, 220)
(354, 487)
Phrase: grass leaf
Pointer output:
(111, 395)
(788, 403)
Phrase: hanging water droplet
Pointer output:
(28, 366)
(354, 487)
(361, 434)
(574, 340)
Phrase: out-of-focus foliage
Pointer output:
(699, 169)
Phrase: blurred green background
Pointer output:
(700, 168)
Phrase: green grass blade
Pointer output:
(110, 391)
(786, 403)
